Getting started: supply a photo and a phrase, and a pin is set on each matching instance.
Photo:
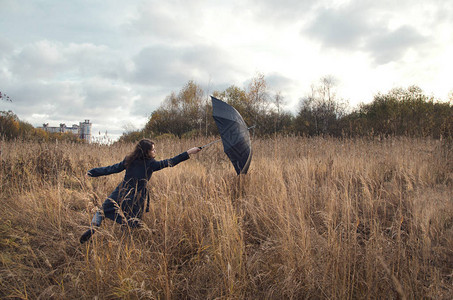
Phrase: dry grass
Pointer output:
(313, 219)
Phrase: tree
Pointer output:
(180, 113)
(283, 120)
(407, 112)
(257, 93)
(131, 136)
(321, 111)
(254, 105)
(9, 125)
(258, 101)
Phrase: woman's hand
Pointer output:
(193, 150)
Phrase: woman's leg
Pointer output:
(95, 222)
(97, 218)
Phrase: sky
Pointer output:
(114, 62)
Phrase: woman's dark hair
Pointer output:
(141, 152)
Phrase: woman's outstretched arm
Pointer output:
(159, 165)
(102, 171)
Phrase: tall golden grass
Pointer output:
(314, 218)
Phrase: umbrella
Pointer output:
(234, 135)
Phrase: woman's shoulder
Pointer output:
(150, 161)
(135, 163)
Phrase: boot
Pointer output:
(96, 222)
(86, 236)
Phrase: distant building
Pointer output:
(83, 130)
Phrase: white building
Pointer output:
(83, 130)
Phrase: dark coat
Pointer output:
(131, 193)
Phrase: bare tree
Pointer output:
(5, 97)
(321, 109)
(279, 101)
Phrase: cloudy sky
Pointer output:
(113, 62)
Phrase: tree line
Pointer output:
(400, 112)
(188, 113)
(11, 127)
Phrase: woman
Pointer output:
(126, 203)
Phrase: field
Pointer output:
(314, 218)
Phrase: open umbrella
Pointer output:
(234, 135)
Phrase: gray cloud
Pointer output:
(101, 93)
(76, 21)
(147, 103)
(38, 60)
(357, 26)
(278, 82)
(6, 47)
(33, 97)
(160, 70)
(344, 28)
(282, 11)
(158, 66)
(444, 12)
(154, 22)
(363, 28)
(167, 21)
(391, 45)
(54, 60)
(174, 66)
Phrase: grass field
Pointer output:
(314, 218)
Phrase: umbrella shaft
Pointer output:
(210, 144)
